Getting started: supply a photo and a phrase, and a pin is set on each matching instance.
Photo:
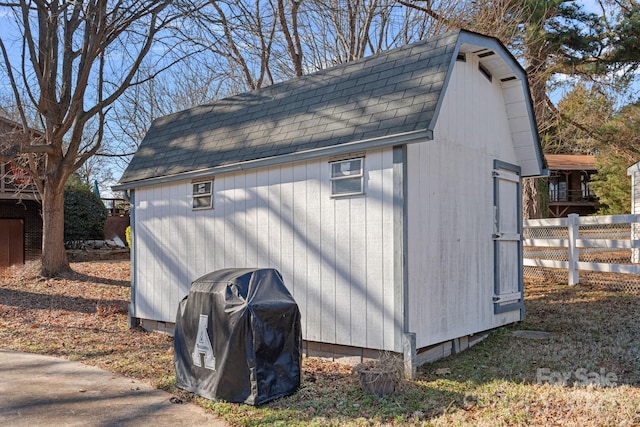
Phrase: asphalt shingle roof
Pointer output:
(386, 94)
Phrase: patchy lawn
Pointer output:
(586, 373)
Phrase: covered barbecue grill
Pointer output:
(238, 337)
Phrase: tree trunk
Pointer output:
(54, 256)
(531, 199)
(536, 57)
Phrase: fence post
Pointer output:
(573, 249)
(635, 235)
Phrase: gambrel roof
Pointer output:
(387, 99)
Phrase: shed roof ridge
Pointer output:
(325, 72)
(390, 93)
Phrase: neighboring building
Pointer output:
(117, 218)
(569, 190)
(20, 219)
(386, 191)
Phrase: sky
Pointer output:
(11, 36)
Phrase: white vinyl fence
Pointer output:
(602, 250)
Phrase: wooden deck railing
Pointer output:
(578, 196)
(116, 206)
(14, 180)
(15, 183)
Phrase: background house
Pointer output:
(386, 191)
(569, 192)
(20, 219)
(118, 218)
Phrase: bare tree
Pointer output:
(78, 58)
(324, 33)
(245, 45)
(186, 85)
(247, 36)
(258, 43)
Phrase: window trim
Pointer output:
(359, 175)
(195, 196)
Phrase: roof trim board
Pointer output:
(19, 126)
(332, 151)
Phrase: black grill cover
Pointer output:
(238, 337)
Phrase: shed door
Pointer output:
(11, 242)
(508, 289)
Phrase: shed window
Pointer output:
(202, 195)
(347, 177)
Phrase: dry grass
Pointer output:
(83, 317)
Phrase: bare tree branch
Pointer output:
(426, 9)
(66, 46)
(291, 35)
(14, 86)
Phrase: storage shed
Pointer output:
(386, 191)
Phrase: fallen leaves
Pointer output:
(81, 317)
(84, 317)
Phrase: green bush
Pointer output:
(84, 215)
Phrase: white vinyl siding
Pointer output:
(519, 125)
(450, 211)
(335, 254)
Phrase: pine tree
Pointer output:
(612, 185)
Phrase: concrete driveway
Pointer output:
(45, 391)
